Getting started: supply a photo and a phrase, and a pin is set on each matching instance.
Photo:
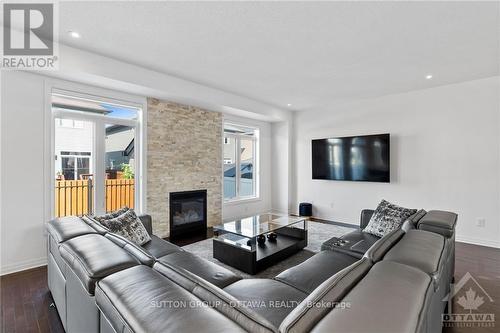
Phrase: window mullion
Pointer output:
(238, 166)
(255, 167)
(99, 168)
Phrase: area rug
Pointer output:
(317, 234)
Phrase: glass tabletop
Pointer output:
(254, 226)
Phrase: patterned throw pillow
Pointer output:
(386, 218)
(129, 226)
(112, 215)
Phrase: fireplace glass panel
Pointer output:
(187, 211)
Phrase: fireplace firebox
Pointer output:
(188, 213)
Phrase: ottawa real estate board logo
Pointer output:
(466, 304)
(29, 38)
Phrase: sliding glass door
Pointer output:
(95, 155)
(73, 166)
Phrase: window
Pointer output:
(240, 162)
(75, 165)
(96, 149)
(70, 123)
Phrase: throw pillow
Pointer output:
(111, 215)
(386, 218)
(129, 226)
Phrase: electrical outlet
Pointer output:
(481, 222)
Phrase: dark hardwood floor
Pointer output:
(25, 299)
(483, 263)
(25, 303)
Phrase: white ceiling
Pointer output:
(311, 55)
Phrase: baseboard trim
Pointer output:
(478, 241)
(23, 265)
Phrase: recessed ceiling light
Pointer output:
(74, 34)
(428, 76)
(289, 104)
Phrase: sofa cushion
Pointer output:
(387, 217)
(391, 298)
(419, 249)
(98, 227)
(64, 228)
(356, 243)
(129, 226)
(423, 250)
(322, 299)
(378, 250)
(271, 299)
(93, 257)
(438, 221)
(140, 299)
(135, 250)
(211, 272)
(158, 247)
(216, 298)
(308, 275)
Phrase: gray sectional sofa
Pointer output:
(101, 282)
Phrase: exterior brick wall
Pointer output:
(184, 153)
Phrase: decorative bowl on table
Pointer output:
(272, 236)
(261, 239)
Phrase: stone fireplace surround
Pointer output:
(184, 153)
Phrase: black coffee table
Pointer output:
(237, 242)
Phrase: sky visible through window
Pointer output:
(122, 112)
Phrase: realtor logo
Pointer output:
(28, 36)
(469, 295)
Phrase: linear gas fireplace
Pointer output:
(188, 212)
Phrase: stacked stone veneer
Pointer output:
(184, 153)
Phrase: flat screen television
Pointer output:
(355, 158)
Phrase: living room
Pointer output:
(250, 166)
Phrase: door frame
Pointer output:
(104, 95)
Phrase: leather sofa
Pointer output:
(103, 283)
(357, 242)
(82, 252)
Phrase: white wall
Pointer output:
(237, 209)
(445, 154)
(281, 166)
(22, 172)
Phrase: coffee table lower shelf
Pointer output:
(263, 256)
